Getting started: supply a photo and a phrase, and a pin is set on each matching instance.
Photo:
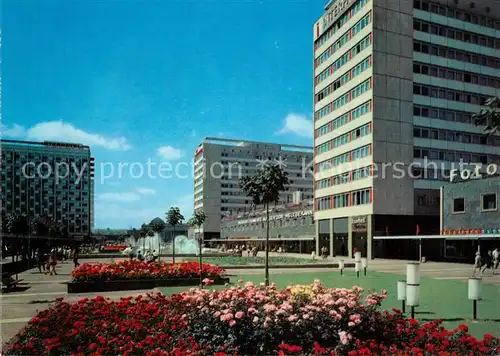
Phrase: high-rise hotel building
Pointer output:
(395, 85)
(220, 163)
(49, 179)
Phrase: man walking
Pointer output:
(496, 259)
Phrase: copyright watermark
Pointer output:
(231, 170)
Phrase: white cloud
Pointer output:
(14, 131)
(297, 124)
(66, 132)
(169, 153)
(146, 191)
(119, 197)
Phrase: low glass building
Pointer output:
(291, 228)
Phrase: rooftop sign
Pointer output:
(334, 10)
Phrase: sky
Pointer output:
(147, 81)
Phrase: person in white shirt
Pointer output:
(496, 258)
(478, 263)
(155, 255)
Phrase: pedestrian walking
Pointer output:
(53, 262)
(496, 259)
(488, 263)
(76, 256)
(478, 263)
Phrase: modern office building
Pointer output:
(395, 85)
(49, 179)
(220, 163)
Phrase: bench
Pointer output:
(8, 282)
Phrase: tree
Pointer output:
(197, 220)
(157, 226)
(264, 188)
(490, 117)
(17, 224)
(174, 218)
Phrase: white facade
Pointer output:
(220, 163)
(395, 83)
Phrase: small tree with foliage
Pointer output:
(197, 220)
(158, 226)
(174, 218)
(489, 117)
(264, 188)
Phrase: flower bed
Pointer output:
(134, 274)
(244, 320)
(114, 248)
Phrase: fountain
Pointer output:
(183, 245)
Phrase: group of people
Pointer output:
(491, 261)
(47, 262)
(148, 256)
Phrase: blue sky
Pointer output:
(139, 80)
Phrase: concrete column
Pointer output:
(349, 237)
(316, 223)
(369, 237)
(331, 238)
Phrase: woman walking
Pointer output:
(53, 262)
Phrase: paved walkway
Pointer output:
(38, 291)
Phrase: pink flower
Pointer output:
(232, 322)
(217, 314)
(293, 318)
(239, 315)
(305, 316)
(350, 324)
(255, 319)
(226, 317)
(207, 281)
(343, 337)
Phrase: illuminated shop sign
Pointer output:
(475, 173)
(292, 215)
(492, 231)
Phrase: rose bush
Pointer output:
(242, 320)
(135, 269)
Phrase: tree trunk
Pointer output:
(173, 244)
(200, 239)
(267, 246)
(159, 245)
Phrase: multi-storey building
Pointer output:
(49, 179)
(220, 163)
(395, 85)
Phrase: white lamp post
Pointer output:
(341, 267)
(364, 264)
(412, 286)
(475, 289)
(402, 294)
(357, 267)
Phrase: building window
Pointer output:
(489, 202)
(458, 205)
